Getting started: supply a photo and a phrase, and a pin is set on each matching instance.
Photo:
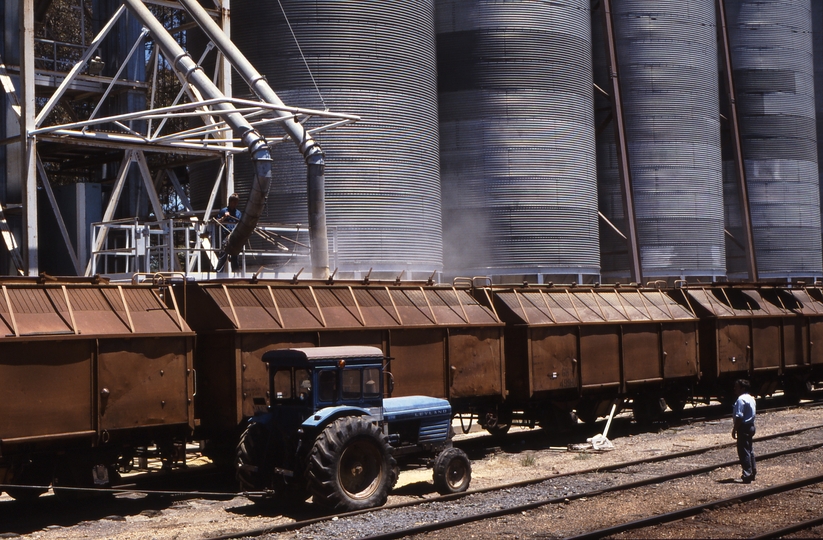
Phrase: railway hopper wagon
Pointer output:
(89, 371)
(763, 333)
(586, 348)
(439, 340)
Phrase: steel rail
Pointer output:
(694, 510)
(133, 486)
(440, 525)
(536, 504)
(785, 531)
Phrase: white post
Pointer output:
(28, 171)
(609, 421)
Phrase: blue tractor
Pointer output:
(331, 435)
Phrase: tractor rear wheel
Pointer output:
(452, 471)
(250, 469)
(257, 454)
(351, 466)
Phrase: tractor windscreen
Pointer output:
(291, 383)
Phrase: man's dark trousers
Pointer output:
(745, 451)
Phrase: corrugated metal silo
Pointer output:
(774, 77)
(376, 59)
(517, 137)
(667, 55)
(817, 44)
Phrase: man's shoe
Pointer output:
(747, 479)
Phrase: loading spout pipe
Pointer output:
(307, 146)
(254, 141)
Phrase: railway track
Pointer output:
(738, 500)
(167, 490)
(624, 424)
(442, 513)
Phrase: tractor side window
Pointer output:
(303, 379)
(282, 384)
(371, 383)
(351, 384)
(327, 385)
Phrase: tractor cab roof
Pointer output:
(310, 357)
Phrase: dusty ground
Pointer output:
(133, 517)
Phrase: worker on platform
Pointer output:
(745, 410)
(229, 217)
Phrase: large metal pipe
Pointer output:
(252, 139)
(737, 145)
(307, 146)
(636, 270)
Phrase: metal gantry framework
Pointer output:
(202, 121)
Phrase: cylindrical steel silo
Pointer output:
(667, 57)
(375, 59)
(774, 78)
(517, 137)
(817, 44)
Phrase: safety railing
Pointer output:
(186, 245)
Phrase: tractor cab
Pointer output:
(319, 381)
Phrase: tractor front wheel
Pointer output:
(351, 466)
(452, 471)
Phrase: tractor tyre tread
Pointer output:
(325, 464)
(452, 471)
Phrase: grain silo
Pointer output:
(667, 57)
(817, 37)
(517, 138)
(774, 78)
(375, 59)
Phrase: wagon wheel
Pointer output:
(586, 411)
(647, 409)
(28, 473)
(79, 477)
(795, 389)
(676, 404)
(496, 424)
(351, 466)
(556, 420)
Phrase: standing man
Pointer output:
(743, 430)
(229, 217)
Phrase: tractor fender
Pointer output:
(265, 419)
(330, 414)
